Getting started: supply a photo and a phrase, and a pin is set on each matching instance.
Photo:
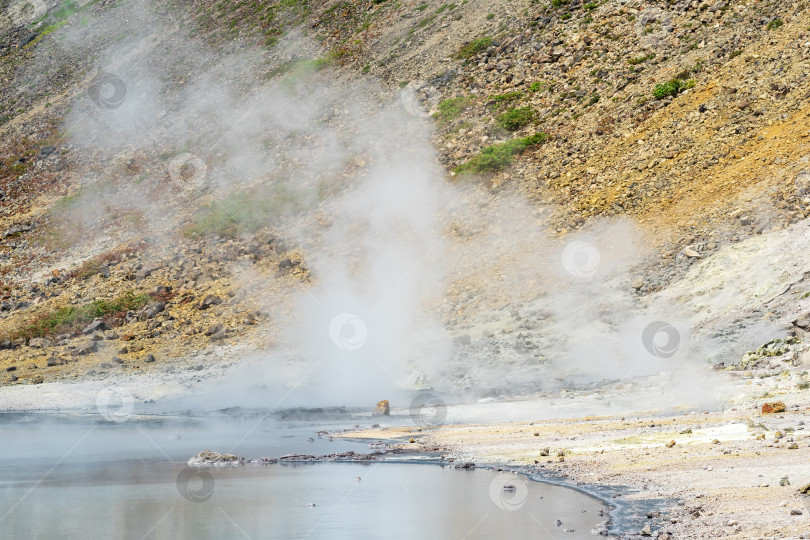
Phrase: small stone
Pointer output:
(795, 512)
(646, 530)
(793, 446)
(637, 284)
(670, 444)
(37, 380)
(689, 252)
(149, 358)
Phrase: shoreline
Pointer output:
(696, 488)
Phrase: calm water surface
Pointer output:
(74, 477)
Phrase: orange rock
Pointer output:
(773, 407)
(381, 409)
(670, 444)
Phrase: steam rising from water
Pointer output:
(401, 260)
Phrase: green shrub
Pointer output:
(468, 50)
(451, 108)
(516, 118)
(672, 88)
(536, 86)
(774, 24)
(504, 99)
(499, 156)
(558, 3)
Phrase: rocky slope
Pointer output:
(714, 155)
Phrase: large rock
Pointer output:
(85, 348)
(209, 458)
(151, 310)
(39, 343)
(773, 407)
(95, 326)
(381, 409)
(55, 361)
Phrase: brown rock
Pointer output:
(670, 444)
(773, 407)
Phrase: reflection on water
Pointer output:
(130, 481)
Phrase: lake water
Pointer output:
(69, 476)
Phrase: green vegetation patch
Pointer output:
(672, 88)
(499, 156)
(241, 212)
(451, 108)
(70, 319)
(505, 99)
(516, 118)
(468, 50)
